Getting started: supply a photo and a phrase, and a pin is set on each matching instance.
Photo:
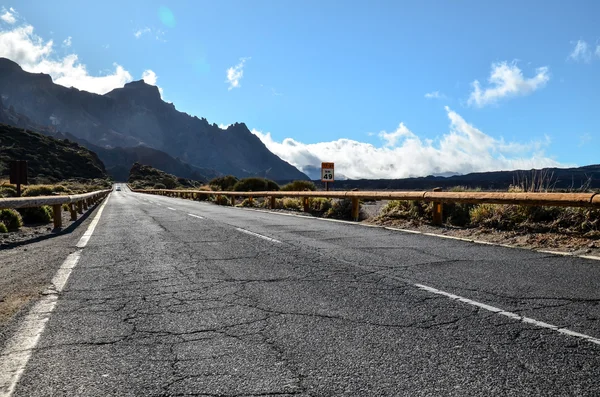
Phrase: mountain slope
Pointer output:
(136, 115)
(47, 158)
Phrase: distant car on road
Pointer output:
(118, 189)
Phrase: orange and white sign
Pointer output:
(327, 174)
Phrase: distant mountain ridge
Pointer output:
(118, 160)
(551, 178)
(136, 115)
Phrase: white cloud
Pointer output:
(435, 95)
(598, 51)
(462, 149)
(35, 55)
(138, 33)
(8, 16)
(391, 138)
(235, 74)
(224, 126)
(507, 81)
(150, 77)
(68, 41)
(581, 52)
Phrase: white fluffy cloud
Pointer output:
(462, 149)
(235, 74)
(506, 80)
(36, 55)
(150, 77)
(8, 16)
(68, 41)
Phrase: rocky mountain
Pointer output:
(135, 115)
(48, 159)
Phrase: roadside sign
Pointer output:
(327, 172)
(18, 174)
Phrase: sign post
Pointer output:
(327, 174)
(18, 174)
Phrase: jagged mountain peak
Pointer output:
(138, 90)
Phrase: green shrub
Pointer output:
(293, 204)
(159, 186)
(341, 209)
(38, 190)
(223, 183)
(221, 200)
(298, 186)
(255, 185)
(410, 210)
(319, 204)
(11, 219)
(36, 215)
(247, 203)
(8, 191)
(3, 228)
(457, 214)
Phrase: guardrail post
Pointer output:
(438, 216)
(84, 202)
(232, 200)
(57, 211)
(273, 203)
(250, 200)
(80, 207)
(355, 209)
(305, 204)
(73, 212)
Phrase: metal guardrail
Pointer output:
(590, 200)
(77, 203)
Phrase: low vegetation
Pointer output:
(519, 218)
(147, 177)
(298, 186)
(223, 183)
(255, 185)
(12, 220)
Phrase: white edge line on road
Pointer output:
(592, 257)
(172, 209)
(511, 315)
(88, 233)
(257, 235)
(196, 216)
(18, 349)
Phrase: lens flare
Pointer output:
(166, 16)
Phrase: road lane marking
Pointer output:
(88, 233)
(196, 216)
(172, 209)
(511, 315)
(257, 235)
(18, 349)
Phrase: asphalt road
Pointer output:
(173, 297)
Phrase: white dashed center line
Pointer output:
(257, 235)
(172, 209)
(196, 216)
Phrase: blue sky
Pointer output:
(345, 81)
